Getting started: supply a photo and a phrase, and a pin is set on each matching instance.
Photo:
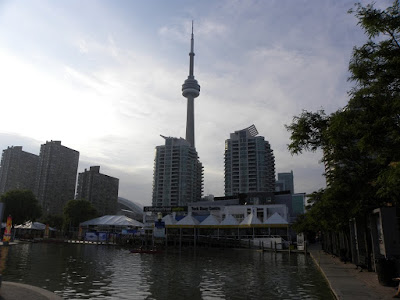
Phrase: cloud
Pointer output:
(109, 85)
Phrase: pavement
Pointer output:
(18, 291)
(348, 282)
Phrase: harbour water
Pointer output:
(76, 271)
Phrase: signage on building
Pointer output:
(159, 229)
(165, 209)
(205, 208)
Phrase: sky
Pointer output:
(105, 79)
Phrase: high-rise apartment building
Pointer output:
(56, 176)
(286, 182)
(249, 163)
(99, 189)
(18, 170)
(178, 174)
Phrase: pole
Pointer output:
(180, 238)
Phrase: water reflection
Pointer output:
(93, 272)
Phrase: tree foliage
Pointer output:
(361, 142)
(55, 221)
(22, 205)
(78, 211)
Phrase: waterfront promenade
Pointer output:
(346, 281)
(18, 291)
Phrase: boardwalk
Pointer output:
(346, 281)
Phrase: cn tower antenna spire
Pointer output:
(190, 90)
(191, 54)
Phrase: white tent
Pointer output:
(189, 220)
(276, 219)
(251, 219)
(210, 220)
(229, 221)
(112, 220)
(33, 226)
(169, 220)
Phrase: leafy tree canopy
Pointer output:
(55, 221)
(361, 142)
(78, 211)
(22, 205)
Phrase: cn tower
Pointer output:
(190, 90)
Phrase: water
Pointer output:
(106, 272)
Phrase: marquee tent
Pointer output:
(229, 221)
(33, 226)
(250, 220)
(112, 220)
(169, 220)
(189, 220)
(211, 220)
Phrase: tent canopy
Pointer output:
(169, 220)
(251, 219)
(112, 220)
(229, 221)
(276, 219)
(33, 226)
(211, 220)
(189, 220)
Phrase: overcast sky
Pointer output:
(105, 78)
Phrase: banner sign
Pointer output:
(159, 224)
(96, 236)
(165, 209)
(7, 230)
(46, 232)
(80, 233)
(205, 208)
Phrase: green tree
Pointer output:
(55, 221)
(361, 142)
(22, 205)
(78, 211)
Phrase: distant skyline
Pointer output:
(105, 78)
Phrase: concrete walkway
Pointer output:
(18, 291)
(346, 281)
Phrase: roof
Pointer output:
(34, 226)
(210, 220)
(276, 219)
(169, 220)
(251, 219)
(133, 206)
(229, 220)
(188, 220)
(113, 220)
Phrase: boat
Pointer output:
(146, 251)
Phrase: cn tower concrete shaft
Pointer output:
(190, 90)
(190, 121)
